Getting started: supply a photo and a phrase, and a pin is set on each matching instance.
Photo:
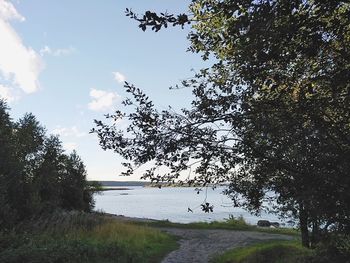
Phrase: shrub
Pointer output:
(335, 249)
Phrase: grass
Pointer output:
(267, 252)
(230, 224)
(80, 237)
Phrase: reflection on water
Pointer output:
(172, 203)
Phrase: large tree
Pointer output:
(271, 114)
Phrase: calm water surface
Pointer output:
(171, 203)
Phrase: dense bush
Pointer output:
(335, 248)
(36, 176)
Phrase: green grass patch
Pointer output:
(80, 237)
(267, 252)
(230, 224)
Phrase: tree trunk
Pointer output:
(315, 233)
(303, 219)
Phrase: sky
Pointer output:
(66, 61)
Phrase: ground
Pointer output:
(199, 246)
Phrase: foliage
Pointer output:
(272, 114)
(82, 237)
(36, 176)
(8, 168)
(269, 252)
(336, 248)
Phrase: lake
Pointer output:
(172, 203)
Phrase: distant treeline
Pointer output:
(124, 183)
(36, 176)
(148, 184)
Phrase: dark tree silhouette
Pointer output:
(8, 167)
(35, 174)
(76, 194)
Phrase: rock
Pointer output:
(290, 222)
(264, 223)
(275, 224)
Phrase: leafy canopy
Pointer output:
(271, 114)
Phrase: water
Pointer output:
(172, 203)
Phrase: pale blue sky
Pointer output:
(59, 56)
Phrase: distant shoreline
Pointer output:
(115, 189)
(123, 183)
(126, 184)
(132, 219)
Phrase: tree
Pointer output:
(271, 114)
(76, 194)
(29, 136)
(35, 174)
(50, 172)
(7, 164)
(5, 136)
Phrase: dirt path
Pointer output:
(199, 246)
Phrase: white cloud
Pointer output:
(56, 52)
(102, 100)
(7, 94)
(8, 11)
(19, 64)
(119, 77)
(68, 132)
(70, 146)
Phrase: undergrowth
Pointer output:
(81, 237)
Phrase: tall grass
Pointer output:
(81, 237)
